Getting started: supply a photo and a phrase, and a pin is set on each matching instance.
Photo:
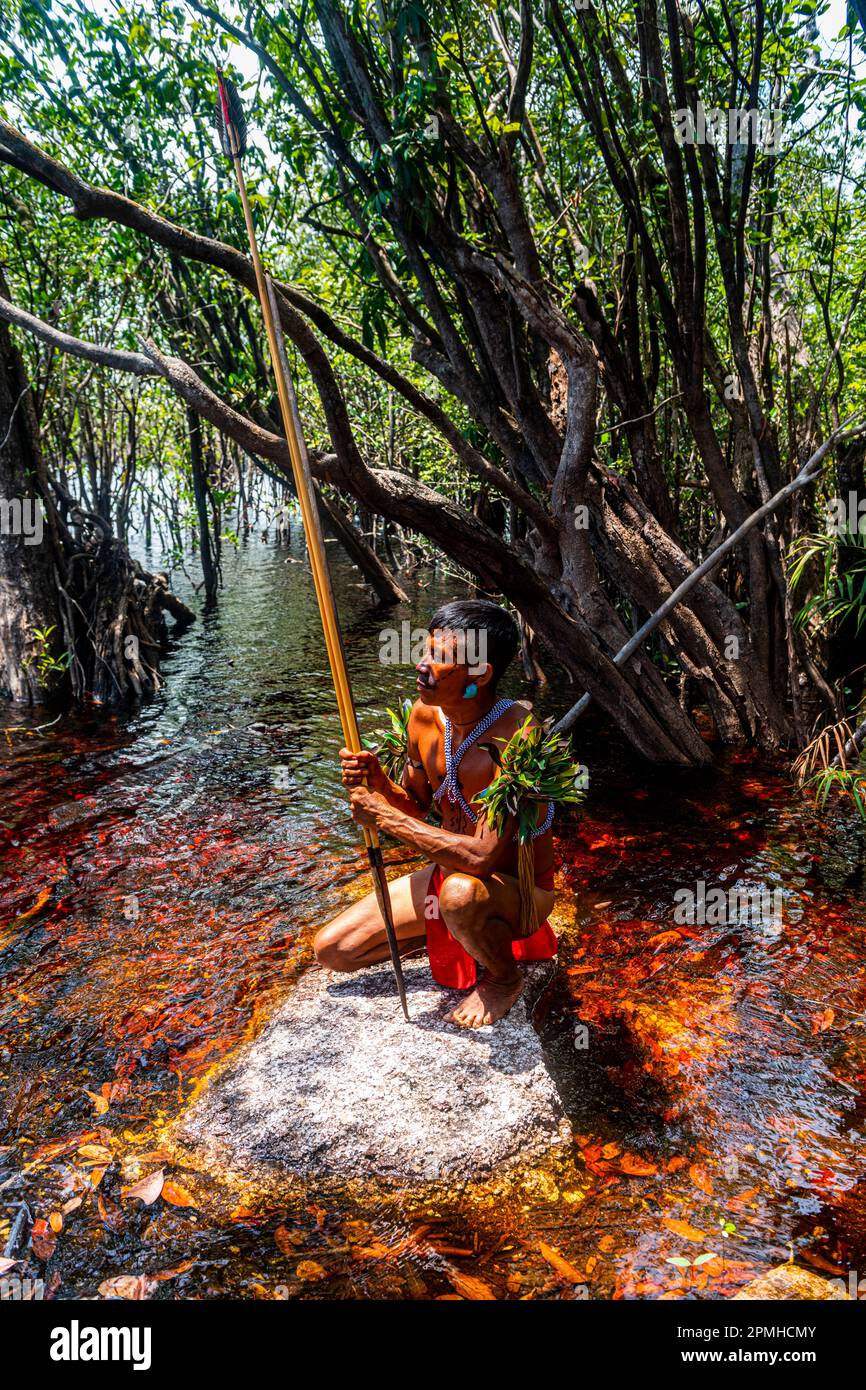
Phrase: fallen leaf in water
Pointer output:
(311, 1270)
(682, 1228)
(635, 1167)
(95, 1153)
(110, 1213)
(676, 1163)
(40, 902)
(129, 1286)
(100, 1103)
(743, 1197)
(356, 1230)
(6, 1263)
(561, 1265)
(72, 1205)
(60, 1146)
(287, 1240)
(701, 1178)
(378, 1250)
(825, 1177)
(173, 1273)
(55, 1221)
(822, 1021)
(96, 1176)
(146, 1189)
(43, 1240)
(470, 1286)
(176, 1195)
(606, 1243)
(665, 938)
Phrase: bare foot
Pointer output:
(489, 1001)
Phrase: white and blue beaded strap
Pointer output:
(545, 824)
(450, 784)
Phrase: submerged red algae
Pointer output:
(713, 1073)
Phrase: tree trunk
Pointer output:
(79, 618)
(29, 601)
(359, 552)
(200, 492)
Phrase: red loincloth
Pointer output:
(453, 966)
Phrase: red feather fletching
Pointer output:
(229, 118)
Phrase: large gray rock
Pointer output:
(339, 1084)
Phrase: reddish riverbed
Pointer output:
(161, 880)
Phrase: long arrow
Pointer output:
(232, 127)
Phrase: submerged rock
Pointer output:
(790, 1281)
(339, 1084)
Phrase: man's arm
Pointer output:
(480, 855)
(412, 795)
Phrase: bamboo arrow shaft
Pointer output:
(309, 512)
(318, 562)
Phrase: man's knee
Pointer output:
(463, 902)
(332, 949)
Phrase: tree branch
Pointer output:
(134, 362)
(808, 473)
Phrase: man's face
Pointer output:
(443, 671)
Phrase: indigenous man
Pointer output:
(465, 903)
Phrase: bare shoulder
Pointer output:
(422, 722)
(514, 718)
(421, 717)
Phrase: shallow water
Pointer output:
(163, 875)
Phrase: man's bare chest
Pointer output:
(474, 767)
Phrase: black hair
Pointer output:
(479, 614)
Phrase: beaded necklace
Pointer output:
(450, 785)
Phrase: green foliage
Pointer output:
(390, 745)
(834, 762)
(124, 95)
(847, 782)
(49, 668)
(533, 768)
(838, 594)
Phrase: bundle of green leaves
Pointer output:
(534, 767)
(392, 743)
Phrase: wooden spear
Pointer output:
(232, 128)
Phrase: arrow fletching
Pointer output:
(229, 118)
